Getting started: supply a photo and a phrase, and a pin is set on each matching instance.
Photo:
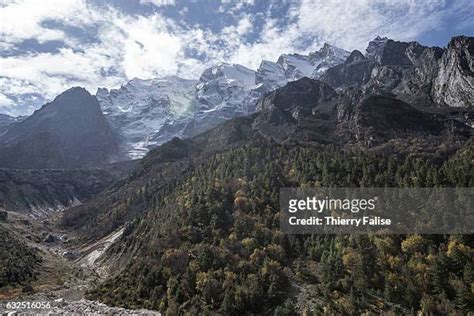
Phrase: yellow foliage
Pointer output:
(201, 279)
(350, 259)
(249, 243)
(270, 266)
(291, 173)
(455, 246)
(239, 193)
(392, 277)
(413, 244)
(240, 202)
(385, 245)
(394, 262)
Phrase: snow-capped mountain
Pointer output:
(291, 67)
(222, 93)
(224, 85)
(148, 113)
(140, 108)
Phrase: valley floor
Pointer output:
(66, 271)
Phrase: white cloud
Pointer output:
(245, 25)
(348, 24)
(48, 74)
(23, 19)
(5, 102)
(128, 46)
(158, 3)
(274, 42)
(351, 24)
(149, 50)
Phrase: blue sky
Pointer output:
(48, 46)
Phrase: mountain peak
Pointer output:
(77, 91)
(375, 46)
(355, 56)
(331, 50)
(69, 132)
(379, 38)
(77, 98)
(229, 72)
(461, 41)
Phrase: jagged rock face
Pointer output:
(148, 113)
(296, 66)
(375, 46)
(224, 86)
(300, 97)
(393, 53)
(379, 71)
(416, 85)
(355, 71)
(393, 63)
(355, 56)
(141, 108)
(69, 132)
(328, 56)
(311, 111)
(391, 60)
(222, 92)
(303, 110)
(454, 84)
(270, 75)
(422, 76)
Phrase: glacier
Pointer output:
(147, 113)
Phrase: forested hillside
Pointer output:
(18, 262)
(210, 242)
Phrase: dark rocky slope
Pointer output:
(7, 120)
(39, 192)
(422, 76)
(69, 132)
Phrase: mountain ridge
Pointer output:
(146, 113)
(222, 92)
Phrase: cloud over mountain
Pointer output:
(49, 46)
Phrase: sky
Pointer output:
(48, 46)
